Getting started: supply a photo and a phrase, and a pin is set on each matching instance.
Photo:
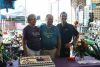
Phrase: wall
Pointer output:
(97, 9)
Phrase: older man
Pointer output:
(50, 38)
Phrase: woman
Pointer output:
(31, 37)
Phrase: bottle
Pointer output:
(72, 56)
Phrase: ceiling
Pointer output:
(75, 3)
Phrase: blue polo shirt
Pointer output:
(49, 36)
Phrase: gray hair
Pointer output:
(48, 15)
(31, 16)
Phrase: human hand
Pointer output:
(57, 53)
(25, 53)
(68, 45)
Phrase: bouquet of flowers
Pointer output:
(81, 49)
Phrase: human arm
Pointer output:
(24, 46)
(74, 37)
(24, 41)
(58, 42)
(58, 46)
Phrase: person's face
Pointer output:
(49, 20)
(32, 21)
(63, 17)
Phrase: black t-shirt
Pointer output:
(67, 32)
(32, 37)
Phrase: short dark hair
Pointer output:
(63, 13)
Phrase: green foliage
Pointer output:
(1, 47)
(92, 49)
(6, 55)
(95, 52)
(81, 50)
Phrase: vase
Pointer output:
(81, 58)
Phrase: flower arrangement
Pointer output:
(81, 49)
(87, 47)
(95, 52)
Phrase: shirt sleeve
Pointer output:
(24, 34)
(75, 32)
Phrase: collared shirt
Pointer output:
(67, 31)
(49, 36)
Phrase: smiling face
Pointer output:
(49, 19)
(63, 17)
(32, 19)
